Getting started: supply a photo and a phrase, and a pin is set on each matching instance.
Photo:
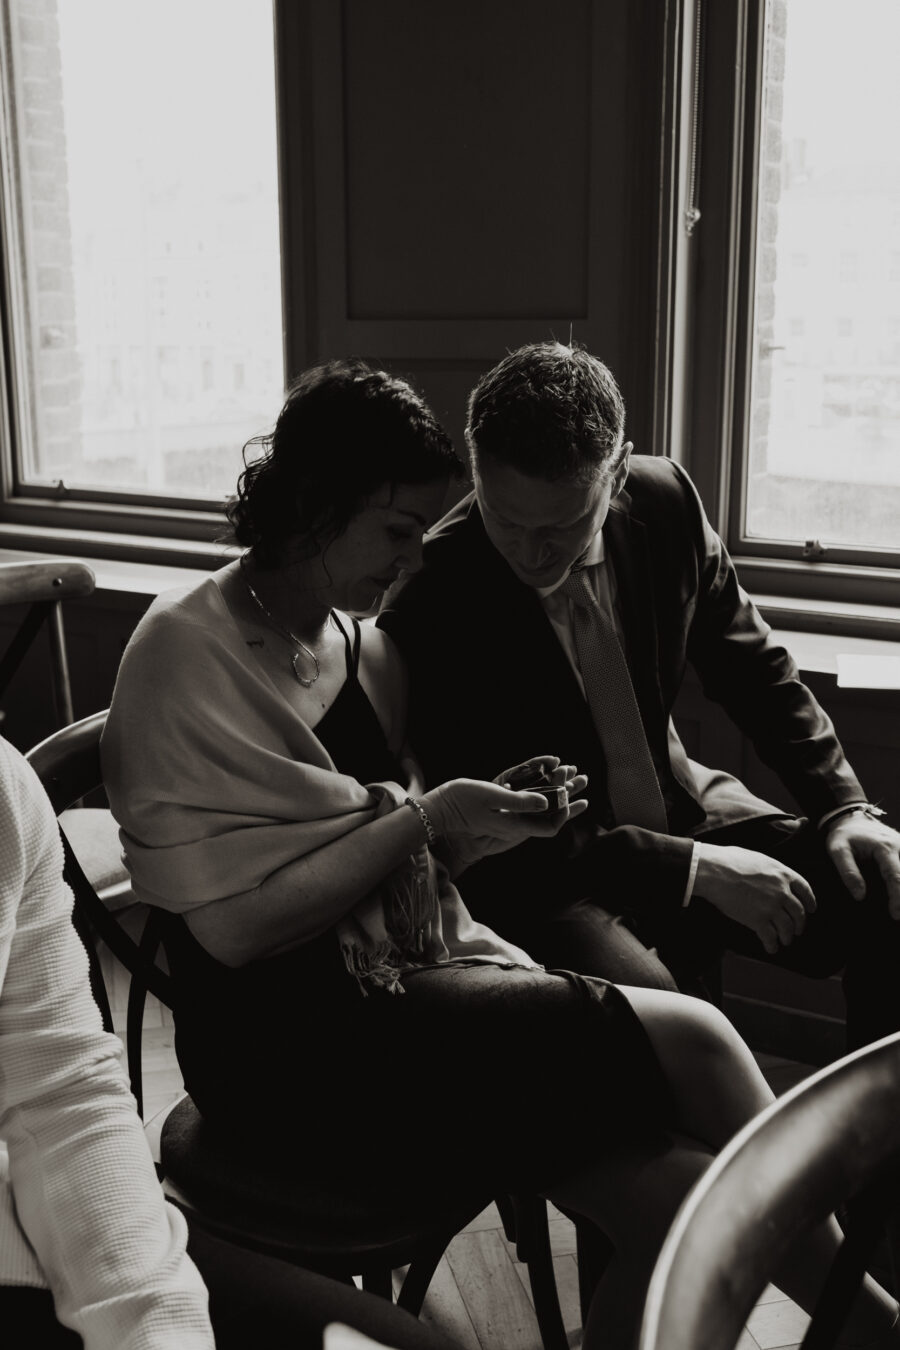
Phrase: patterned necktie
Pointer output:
(632, 784)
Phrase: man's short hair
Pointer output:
(550, 411)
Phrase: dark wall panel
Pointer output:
(468, 149)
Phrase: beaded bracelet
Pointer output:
(423, 816)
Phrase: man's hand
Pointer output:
(755, 890)
(856, 839)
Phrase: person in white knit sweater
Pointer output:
(81, 1211)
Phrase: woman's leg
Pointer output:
(716, 1088)
(633, 1193)
(258, 1302)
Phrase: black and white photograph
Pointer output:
(450, 674)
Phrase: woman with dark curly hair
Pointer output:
(255, 759)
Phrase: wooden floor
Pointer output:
(480, 1294)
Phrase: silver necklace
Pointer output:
(291, 637)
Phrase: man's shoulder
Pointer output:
(456, 547)
(458, 561)
(27, 823)
(18, 780)
(457, 530)
(656, 477)
(659, 495)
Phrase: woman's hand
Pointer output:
(477, 818)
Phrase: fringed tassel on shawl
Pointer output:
(377, 968)
(388, 932)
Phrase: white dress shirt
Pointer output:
(81, 1211)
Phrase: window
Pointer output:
(140, 176)
(799, 190)
(849, 268)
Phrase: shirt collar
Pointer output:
(595, 554)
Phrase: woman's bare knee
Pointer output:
(680, 1026)
(715, 1082)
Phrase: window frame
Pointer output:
(721, 281)
(174, 529)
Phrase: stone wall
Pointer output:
(52, 360)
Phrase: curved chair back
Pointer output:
(68, 762)
(68, 765)
(833, 1141)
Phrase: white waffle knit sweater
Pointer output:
(80, 1207)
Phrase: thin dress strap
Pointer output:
(352, 651)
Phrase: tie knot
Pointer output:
(578, 587)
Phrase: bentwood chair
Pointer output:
(830, 1144)
(241, 1199)
(43, 584)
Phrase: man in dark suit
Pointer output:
(570, 554)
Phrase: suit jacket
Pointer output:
(490, 685)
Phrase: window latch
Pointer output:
(813, 550)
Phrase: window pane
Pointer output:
(824, 454)
(148, 170)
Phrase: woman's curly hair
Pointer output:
(345, 430)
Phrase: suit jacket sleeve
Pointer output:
(756, 680)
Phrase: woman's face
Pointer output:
(381, 541)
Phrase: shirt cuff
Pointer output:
(691, 877)
(838, 811)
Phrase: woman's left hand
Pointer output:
(467, 851)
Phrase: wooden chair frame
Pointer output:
(43, 585)
(831, 1143)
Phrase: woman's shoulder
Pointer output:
(200, 598)
(187, 613)
(179, 653)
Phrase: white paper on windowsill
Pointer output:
(868, 672)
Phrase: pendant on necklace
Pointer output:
(307, 684)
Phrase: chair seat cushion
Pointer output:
(94, 836)
(307, 1216)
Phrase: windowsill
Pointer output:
(831, 619)
(117, 577)
(149, 565)
(102, 549)
(818, 652)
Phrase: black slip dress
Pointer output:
(513, 1077)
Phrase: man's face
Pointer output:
(540, 528)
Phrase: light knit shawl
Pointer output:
(216, 783)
